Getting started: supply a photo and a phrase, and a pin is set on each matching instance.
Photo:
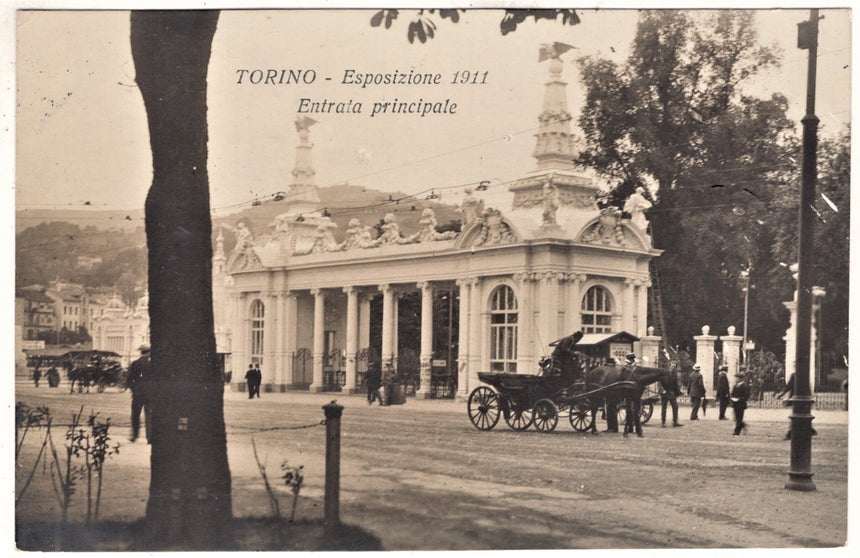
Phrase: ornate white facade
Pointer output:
(550, 264)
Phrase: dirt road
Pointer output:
(421, 477)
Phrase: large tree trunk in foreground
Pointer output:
(189, 493)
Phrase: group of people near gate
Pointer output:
(736, 397)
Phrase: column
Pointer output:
(525, 322)
(290, 318)
(549, 306)
(642, 307)
(240, 358)
(650, 345)
(319, 339)
(477, 358)
(574, 298)
(270, 336)
(351, 338)
(463, 340)
(278, 364)
(732, 351)
(629, 306)
(424, 391)
(705, 358)
(387, 323)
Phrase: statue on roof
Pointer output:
(550, 203)
(635, 206)
(472, 207)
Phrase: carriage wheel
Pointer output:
(545, 415)
(646, 412)
(580, 418)
(484, 409)
(519, 416)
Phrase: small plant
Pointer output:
(293, 479)
(273, 499)
(63, 475)
(25, 417)
(95, 447)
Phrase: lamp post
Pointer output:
(745, 287)
(800, 474)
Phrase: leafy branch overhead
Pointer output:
(424, 27)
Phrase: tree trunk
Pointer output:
(189, 493)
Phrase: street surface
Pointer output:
(420, 477)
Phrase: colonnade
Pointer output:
(548, 306)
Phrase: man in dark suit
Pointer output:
(138, 377)
(723, 391)
(740, 395)
(253, 378)
(669, 396)
(696, 391)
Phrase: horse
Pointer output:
(83, 377)
(612, 383)
(101, 374)
(627, 383)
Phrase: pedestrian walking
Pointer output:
(723, 391)
(388, 376)
(696, 391)
(53, 377)
(258, 378)
(740, 395)
(374, 382)
(37, 375)
(669, 396)
(138, 383)
(253, 378)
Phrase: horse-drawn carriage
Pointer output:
(564, 389)
(101, 369)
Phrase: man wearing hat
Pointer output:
(723, 391)
(138, 377)
(740, 394)
(696, 390)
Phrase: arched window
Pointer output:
(503, 330)
(596, 311)
(258, 315)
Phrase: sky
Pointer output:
(81, 127)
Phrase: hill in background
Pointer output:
(49, 242)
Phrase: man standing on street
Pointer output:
(669, 396)
(258, 378)
(696, 391)
(740, 394)
(723, 391)
(138, 377)
(251, 380)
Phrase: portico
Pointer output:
(307, 302)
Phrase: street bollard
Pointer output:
(333, 412)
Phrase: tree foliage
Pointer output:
(677, 118)
(423, 26)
